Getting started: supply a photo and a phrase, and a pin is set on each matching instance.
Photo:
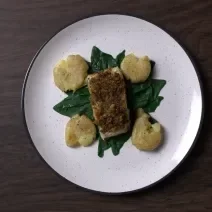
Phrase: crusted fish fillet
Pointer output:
(109, 103)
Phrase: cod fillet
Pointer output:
(109, 103)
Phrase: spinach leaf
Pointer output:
(157, 85)
(129, 92)
(76, 103)
(88, 111)
(118, 141)
(119, 58)
(137, 88)
(81, 92)
(151, 107)
(115, 143)
(142, 98)
(89, 68)
(146, 95)
(103, 146)
(101, 60)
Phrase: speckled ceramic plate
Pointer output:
(180, 113)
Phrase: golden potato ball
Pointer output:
(146, 136)
(136, 69)
(70, 74)
(80, 130)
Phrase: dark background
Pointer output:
(26, 183)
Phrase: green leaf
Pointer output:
(88, 111)
(101, 60)
(115, 143)
(119, 58)
(151, 107)
(89, 68)
(80, 92)
(142, 98)
(146, 95)
(157, 85)
(76, 103)
(103, 146)
(136, 88)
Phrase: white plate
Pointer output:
(180, 112)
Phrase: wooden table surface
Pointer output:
(26, 182)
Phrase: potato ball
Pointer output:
(146, 136)
(80, 130)
(70, 74)
(136, 69)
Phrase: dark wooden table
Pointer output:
(26, 183)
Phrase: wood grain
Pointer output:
(26, 183)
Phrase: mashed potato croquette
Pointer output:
(146, 136)
(70, 74)
(80, 130)
(136, 69)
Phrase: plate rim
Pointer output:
(201, 90)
